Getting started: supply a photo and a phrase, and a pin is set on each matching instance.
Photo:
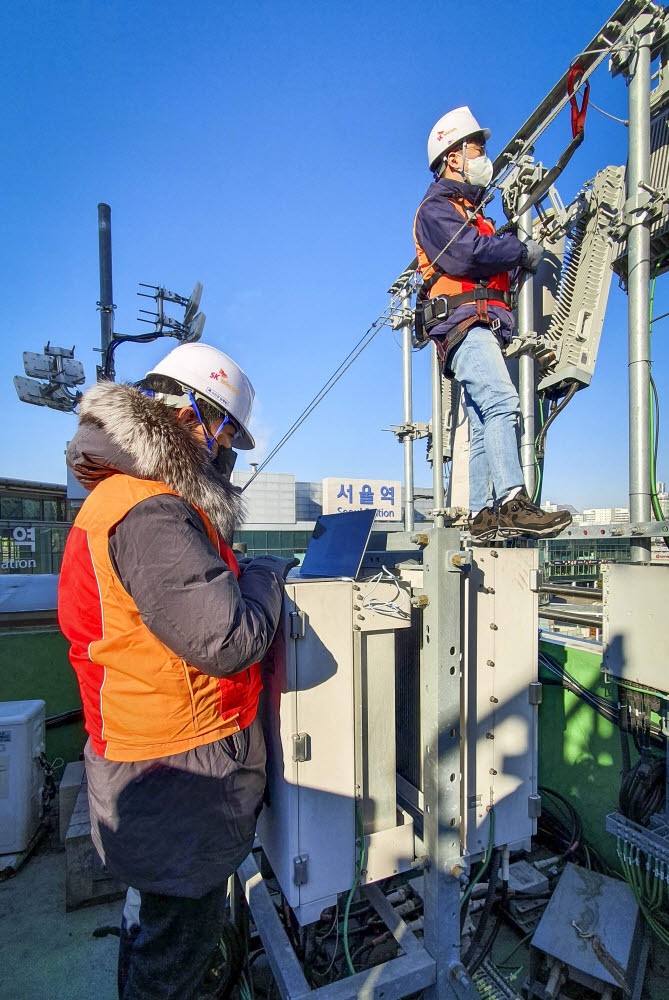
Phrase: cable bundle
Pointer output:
(609, 710)
(647, 877)
(642, 790)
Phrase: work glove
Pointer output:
(277, 564)
(533, 254)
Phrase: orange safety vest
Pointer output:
(439, 283)
(140, 699)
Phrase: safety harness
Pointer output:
(451, 292)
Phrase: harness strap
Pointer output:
(478, 294)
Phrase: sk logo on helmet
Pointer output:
(220, 376)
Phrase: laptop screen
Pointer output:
(338, 544)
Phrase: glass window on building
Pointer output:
(11, 508)
(32, 510)
(51, 511)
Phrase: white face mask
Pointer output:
(479, 171)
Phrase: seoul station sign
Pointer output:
(342, 495)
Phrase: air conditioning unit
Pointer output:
(21, 775)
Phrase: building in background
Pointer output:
(35, 519)
(281, 512)
(606, 515)
(663, 498)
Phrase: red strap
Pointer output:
(577, 114)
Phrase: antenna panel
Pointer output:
(39, 394)
(577, 321)
(193, 303)
(65, 371)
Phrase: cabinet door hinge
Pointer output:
(301, 869)
(296, 624)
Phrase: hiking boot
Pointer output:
(520, 516)
(483, 527)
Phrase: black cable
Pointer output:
(492, 937)
(607, 709)
(540, 447)
(576, 827)
(64, 719)
(642, 790)
(487, 908)
(143, 338)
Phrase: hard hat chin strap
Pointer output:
(464, 160)
(208, 439)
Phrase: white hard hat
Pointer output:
(449, 131)
(214, 376)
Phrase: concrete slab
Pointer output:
(47, 952)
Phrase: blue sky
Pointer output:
(276, 153)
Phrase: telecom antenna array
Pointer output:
(57, 367)
(60, 371)
(187, 330)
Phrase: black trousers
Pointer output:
(167, 944)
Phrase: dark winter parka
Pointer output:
(166, 641)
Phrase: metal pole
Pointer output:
(106, 303)
(638, 266)
(408, 411)
(526, 390)
(441, 741)
(437, 440)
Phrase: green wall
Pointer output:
(579, 751)
(34, 664)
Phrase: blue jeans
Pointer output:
(493, 409)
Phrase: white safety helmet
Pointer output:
(214, 376)
(451, 130)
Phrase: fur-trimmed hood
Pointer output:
(122, 430)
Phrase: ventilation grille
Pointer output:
(577, 320)
(658, 179)
(407, 699)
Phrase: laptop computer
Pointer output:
(337, 545)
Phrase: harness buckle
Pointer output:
(495, 324)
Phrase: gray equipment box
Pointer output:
(328, 710)
(635, 623)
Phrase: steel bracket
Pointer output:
(403, 317)
(646, 206)
(412, 432)
(526, 343)
(520, 182)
